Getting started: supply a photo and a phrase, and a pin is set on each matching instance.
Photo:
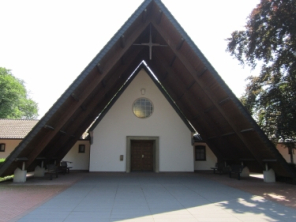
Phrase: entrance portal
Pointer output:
(141, 155)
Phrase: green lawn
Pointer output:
(5, 178)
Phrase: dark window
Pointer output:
(2, 147)
(200, 153)
(81, 148)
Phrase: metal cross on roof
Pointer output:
(150, 44)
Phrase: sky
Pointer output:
(47, 44)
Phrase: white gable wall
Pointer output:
(79, 161)
(109, 137)
(210, 161)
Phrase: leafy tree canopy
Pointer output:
(269, 38)
(14, 100)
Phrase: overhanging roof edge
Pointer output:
(158, 85)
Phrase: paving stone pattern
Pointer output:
(156, 197)
(17, 199)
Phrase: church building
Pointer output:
(142, 131)
(142, 99)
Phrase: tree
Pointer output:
(269, 38)
(14, 100)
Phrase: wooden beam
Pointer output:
(83, 107)
(173, 60)
(196, 117)
(158, 21)
(269, 160)
(75, 97)
(247, 159)
(224, 101)
(165, 76)
(122, 41)
(48, 127)
(122, 60)
(180, 97)
(41, 158)
(209, 109)
(189, 87)
(213, 137)
(202, 72)
(104, 84)
(247, 130)
(99, 68)
(228, 134)
(144, 15)
(179, 46)
(63, 132)
(21, 159)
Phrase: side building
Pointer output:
(13, 131)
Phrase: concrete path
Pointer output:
(156, 197)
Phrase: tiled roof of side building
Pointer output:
(16, 128)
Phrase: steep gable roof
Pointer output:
(191, 81)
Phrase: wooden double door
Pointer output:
(141, 155)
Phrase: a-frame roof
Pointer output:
(187, 76)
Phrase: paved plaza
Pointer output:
(151, 197)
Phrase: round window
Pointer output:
(142, 108)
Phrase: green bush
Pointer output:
(6, 178)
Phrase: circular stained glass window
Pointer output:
(142, 108)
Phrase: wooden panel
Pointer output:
(141, 155)
(235, 116)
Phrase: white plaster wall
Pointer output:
(80, 161)
(285, 152)
(10, 145)
(210, 161)
(109, 137)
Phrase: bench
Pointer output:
(52, 170)
(220, 168)
(64, 167)
(236, 169)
